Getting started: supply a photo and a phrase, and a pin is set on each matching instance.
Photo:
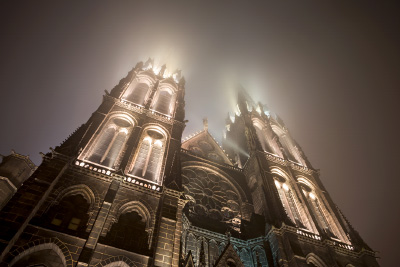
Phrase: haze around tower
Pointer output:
(329, 70)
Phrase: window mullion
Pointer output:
(110, 145)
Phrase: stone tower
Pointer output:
(125, 190)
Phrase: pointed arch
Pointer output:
(314, 259)
(149, 156)
(288, 145)
(43, 245)
(79, 189)
(106, 146)
(164, 99)
(289, 199)
(131, 228)
(139, 89)
(322, 211)
(266, 137)
(138, 207)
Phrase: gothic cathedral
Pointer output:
(126, 190)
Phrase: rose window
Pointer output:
(211, 195)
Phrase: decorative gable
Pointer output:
(204, 145)
(229, 257)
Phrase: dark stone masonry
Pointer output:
(126, 190)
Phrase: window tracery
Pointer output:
(108, 145)
(164, 100)
(138, 91)
(149, 157)
(213, 196)
(321, 213)
(293, 208)
(266, 138)
(292, 151)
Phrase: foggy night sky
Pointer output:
(330, 71)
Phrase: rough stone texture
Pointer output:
(247, 204)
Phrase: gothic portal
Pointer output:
(125, 190)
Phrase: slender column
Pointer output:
(91, 243)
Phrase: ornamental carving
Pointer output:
(212, 196)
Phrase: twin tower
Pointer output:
(125, 190)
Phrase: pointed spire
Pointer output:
(163, 69)
(205, 124)
(148, 64)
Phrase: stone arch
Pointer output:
(144, 81)
(138, 206)
(106, 146)
(322, 210)
(116, 261)
(289, 196)
(78, 189)
(227, 177)
(153, 143)
(314, 259)
(289, 145)
(53, 244)
(164, 99)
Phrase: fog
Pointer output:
(331, 71)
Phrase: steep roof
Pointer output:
(204, 144)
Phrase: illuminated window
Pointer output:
(267, 138)
(137, 92)
(110, 142)
(288, 202)
(321, 214)
(149, 157)
(164, 100)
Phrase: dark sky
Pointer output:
(332, 72)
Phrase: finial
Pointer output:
(205, 124)
(148, 64)
(163, 69)
(228, 235)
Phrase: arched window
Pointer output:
(266, 138)
(109, 143)
(137, 92)
(292, 151)
(288, 202)
(164, 101)
(128, 233)
(69, 216)
(150, 156)
(321, 213)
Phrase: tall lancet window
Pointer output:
(108, 146)
(266, 138)
(137, 92)
(149, 157)
(292, 207)
(325, 220)
(164, 101)
(292, 151)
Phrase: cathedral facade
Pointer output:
(126, 190)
